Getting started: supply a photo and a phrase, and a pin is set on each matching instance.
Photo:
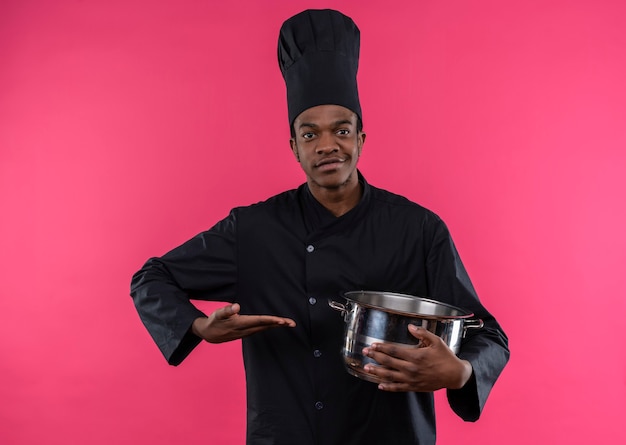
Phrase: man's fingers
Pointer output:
(404, 352)
(387, 361)
(245, 325)
(288, 322)
(262, 321)
(247, 321)
(258, 328)
(424, 335)
(388, 354)
(227, 324)
(226, 312)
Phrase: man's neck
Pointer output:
(338, 201)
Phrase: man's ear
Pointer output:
(361, 140)
(294, 148)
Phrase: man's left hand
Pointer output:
(428, 367)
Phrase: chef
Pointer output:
(278, 262)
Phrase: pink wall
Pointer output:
(128, 126)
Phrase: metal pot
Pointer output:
(384, 317)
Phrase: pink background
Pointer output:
(127, 127)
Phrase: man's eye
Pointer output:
(307, 136)
(343, 132)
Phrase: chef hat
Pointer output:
(318, 56)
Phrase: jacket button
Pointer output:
(310, 248)
(312, 300)
(319, 405)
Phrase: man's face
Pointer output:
(328, 145)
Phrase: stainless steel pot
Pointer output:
(384, 317)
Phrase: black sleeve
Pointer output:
(485, 348)
(203, 268)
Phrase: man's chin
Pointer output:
(331, 182)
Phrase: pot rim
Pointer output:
(464, 314)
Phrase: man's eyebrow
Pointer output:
(336, 123)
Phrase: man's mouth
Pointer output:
(329, 163)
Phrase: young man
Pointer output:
(279, 261)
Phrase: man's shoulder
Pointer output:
(384, 198)
(283, 200)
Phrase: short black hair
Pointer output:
(359, 127)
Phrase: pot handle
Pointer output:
(337, 306)
(472, 324)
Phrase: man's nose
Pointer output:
(327, 143)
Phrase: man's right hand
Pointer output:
(226, 324)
